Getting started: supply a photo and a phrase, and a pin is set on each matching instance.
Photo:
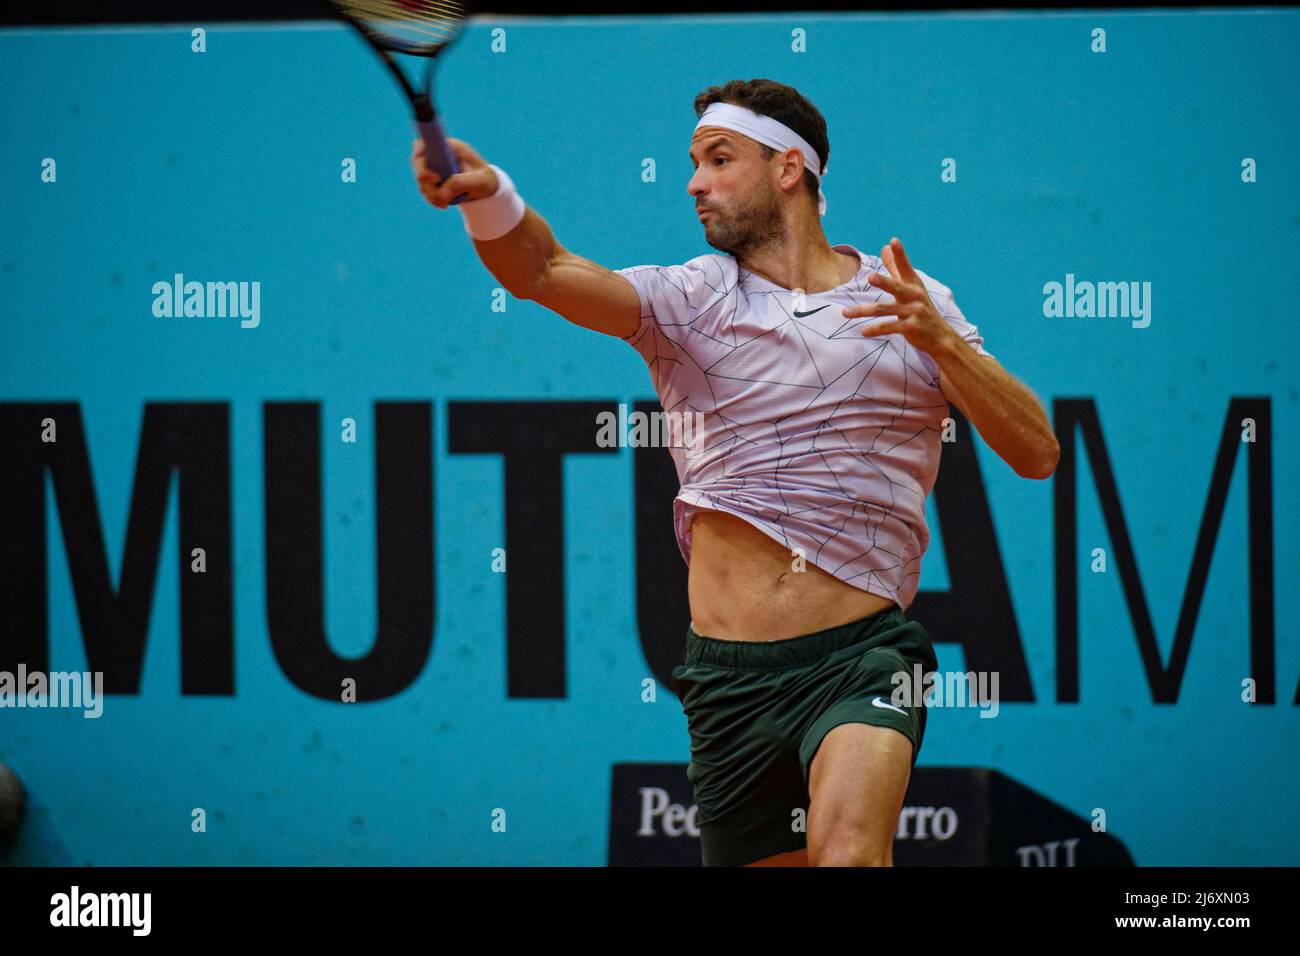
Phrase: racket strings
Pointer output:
(431, 22)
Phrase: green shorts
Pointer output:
(758, 710)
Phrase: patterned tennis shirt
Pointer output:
(823, 439)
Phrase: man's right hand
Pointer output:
(475, 177)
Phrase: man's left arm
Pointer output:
(1003, 410)
(1006, 413)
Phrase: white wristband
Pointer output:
(493, 216)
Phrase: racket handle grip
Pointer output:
(438, 155)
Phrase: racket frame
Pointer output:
(438, 154)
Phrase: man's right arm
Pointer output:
(530, 264)
(527, 260)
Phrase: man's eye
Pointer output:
(719, 159)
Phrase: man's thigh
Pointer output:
(856, 785)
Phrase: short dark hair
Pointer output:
(784, 104)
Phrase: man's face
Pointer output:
(733, 191)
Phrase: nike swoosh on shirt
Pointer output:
(800, 315)
(877, 702)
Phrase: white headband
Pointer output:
(769, 132)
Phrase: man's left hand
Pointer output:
(918, 320)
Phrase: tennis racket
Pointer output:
(423, 28)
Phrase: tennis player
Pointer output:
(823, 375)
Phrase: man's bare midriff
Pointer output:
(743, 585)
